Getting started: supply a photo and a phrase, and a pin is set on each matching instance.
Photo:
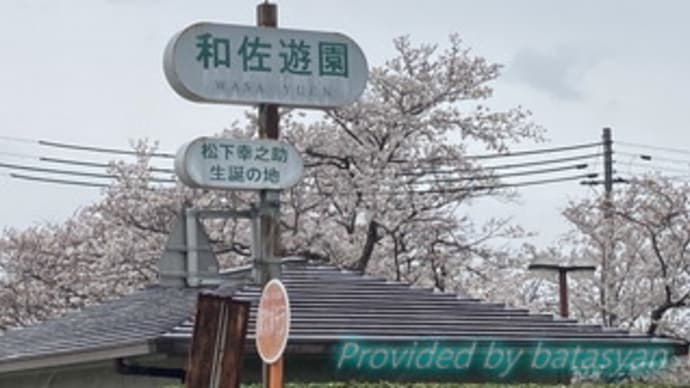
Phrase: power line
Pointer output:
(658, 168)
(535, 152)
(648, 157)
(515, 154)
(486, 156)
(74, 173)
(632, 176)
(497, 186)
(16, 139)
(63, 181)
(95, 164)
(54, 171)
(76, 162)
(430, 191)
(172, 155)
(73, 162)
(58, 181)
(162, 180)
(580, 166)
(667, 149)
(104, 149)
(79, 147)
(600, 182)
(502, 166)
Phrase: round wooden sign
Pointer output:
(272, 322)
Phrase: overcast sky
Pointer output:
(89, 72)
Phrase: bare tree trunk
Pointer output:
(372, 238)
(659, 312)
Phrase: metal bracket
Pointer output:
(217, 213)
(189, 258)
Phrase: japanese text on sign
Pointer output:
(252, 54)
(243, 164)
(229, 157)
(227, 63)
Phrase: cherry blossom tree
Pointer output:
(96, 254)
(373, 197)
(647, 282)
(371, 176)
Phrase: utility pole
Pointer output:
(562, 280)
(607, 207)
(604, 296)
(268, 265)
(608, 162)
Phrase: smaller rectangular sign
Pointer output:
(238, 164)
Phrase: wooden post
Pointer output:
(215, 354)
(268, 120)
(267, 16)
(563, 288)
(274, 374)
(562, 280)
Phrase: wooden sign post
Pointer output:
(272, 330)
(215, 355)
(266, 340)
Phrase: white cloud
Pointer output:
(559, 72)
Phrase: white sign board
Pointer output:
(238, 164)
(224, 63)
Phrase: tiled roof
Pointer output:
(328, 305)
(133, 319)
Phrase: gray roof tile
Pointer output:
(327, 305)
(135, 318)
